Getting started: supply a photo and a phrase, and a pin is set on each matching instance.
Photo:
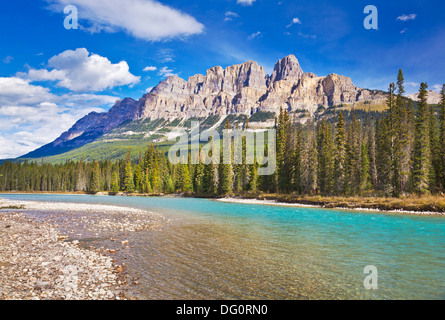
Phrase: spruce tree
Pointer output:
(186, 182)
(129, 179)
(95, 178)
(115, 183)
(226, 170)
(340, 156)
(421, 154)
(298, 161)
(365, 181)
(441, 142)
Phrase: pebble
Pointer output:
(52, 269)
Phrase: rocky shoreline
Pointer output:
(39, 262)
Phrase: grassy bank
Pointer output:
(409, 203)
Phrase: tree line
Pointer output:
(400, 152)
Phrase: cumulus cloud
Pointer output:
(143, 19)
(245, 2)
(254, 35)
(31, 115)
(14, 91)
(78, 70)
(406, 17)
(150, 68)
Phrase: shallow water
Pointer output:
(218, 250)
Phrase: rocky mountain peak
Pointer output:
(287, 68)
(238, 89)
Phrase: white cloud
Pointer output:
(311, 36)
(15, 91)
(165, 55)
(254, 35)
(149, 89)
(150, 68)
(33, 126)
(166, 72)
(229, 15)
(406, 17)
(31, 116)
(294, 21)
(412, 84)
(245, 2)
(79, 70)
(8, 59)
(437, 87)
(403, 31)
(144, 19)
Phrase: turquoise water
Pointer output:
(218, 250)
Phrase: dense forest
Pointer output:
(402, 151)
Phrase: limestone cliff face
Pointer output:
(246, 89)
(238, 89)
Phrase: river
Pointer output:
(220, 250)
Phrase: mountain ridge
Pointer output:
(241, 89)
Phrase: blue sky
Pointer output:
(51, 76)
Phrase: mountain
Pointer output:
(241, 90)
(433, 97)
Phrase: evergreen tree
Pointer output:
(186, 184)
(95, 178)
(441, 142)
(365, 181)
(434, 151)
(421, 153)
(226, 170)
(298, 185)
(129, 179)
(340, 156)
(115, 183)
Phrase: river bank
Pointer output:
(408, 204)
(427, 205)
(38, 261)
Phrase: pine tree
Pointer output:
(129, 179)
(186, 183)
(138, 178)
(404, 138)
(226, 170)
(365, 181)
(441, 142)
(421, 153)
(115, 183)
(434, 151)
(325, 159)
(353, 152)
(95, 178)
(284, 153)
(297, 171)
(340, 156)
